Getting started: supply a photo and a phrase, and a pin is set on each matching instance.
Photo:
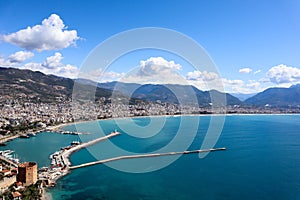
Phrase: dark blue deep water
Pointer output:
(262, 161)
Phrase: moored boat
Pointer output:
(31, 134)
(24, 136)
(75, 143)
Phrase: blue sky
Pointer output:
(255, 44)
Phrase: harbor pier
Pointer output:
(144, 156)
(61, 164)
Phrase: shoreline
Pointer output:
(56, 128)
(47, 195)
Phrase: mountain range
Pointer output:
(242, 96)
(36, 86)
(278, 97)
(169, 93)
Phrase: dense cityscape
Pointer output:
(17, 117)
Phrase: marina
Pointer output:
(58, 129)
(9, 161)
(60, 164)
(9, 156)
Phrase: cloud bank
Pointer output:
(53, 65)
(16, 59)
(284, 74)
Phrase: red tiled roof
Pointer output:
(27, 164)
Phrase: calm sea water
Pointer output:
(261, 161)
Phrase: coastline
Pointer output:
(57, 127)
(47, 195)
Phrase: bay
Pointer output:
(261, 161)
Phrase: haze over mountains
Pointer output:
(36, 86)
(242, 96)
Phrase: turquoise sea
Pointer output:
(261, 161)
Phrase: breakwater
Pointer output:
(145, 156)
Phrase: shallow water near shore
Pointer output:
(261, 162)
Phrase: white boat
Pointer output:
(16, 160)
(8, 156)
(31, 134)
(75, 143)
(7, 152)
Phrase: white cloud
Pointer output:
(53, 62)
(101, 76)
(245, 70)
(233, 86)
(14, 60)
(211, 80)
(2, 62)
(20, 56)
(50, 35)
(283, 74)
(254, 85)
(235, 82)
(156, 65)
(257, 71)
(245, 87)
(112, 76)
(53, 65)
(205, 76)
(205, 80)
(155, 70)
